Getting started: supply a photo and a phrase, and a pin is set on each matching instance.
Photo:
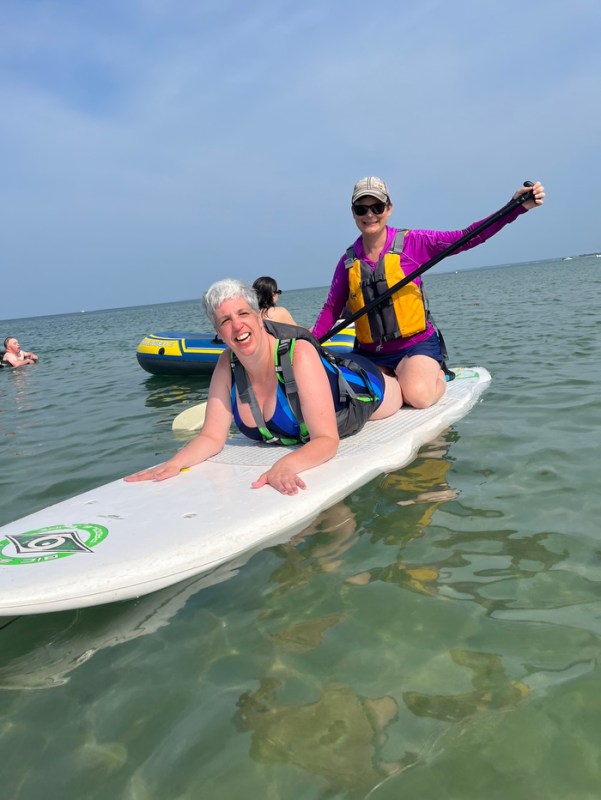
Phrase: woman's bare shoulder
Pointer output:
(280, 314)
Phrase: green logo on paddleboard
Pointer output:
(48, 544)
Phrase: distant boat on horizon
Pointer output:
(582, 255)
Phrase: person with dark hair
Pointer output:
(14, 356)
(268, 295)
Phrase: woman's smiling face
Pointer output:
(238, 325)
(371, 223)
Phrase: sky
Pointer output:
(150, 147)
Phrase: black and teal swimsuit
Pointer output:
(284, 424)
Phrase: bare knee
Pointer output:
(423, 393)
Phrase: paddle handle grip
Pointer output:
(526, 195)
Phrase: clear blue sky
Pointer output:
(152, 146)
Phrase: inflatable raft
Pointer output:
(173, 353)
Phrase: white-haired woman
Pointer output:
(245, 388)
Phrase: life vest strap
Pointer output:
(248, 397)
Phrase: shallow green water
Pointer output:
(437, 634)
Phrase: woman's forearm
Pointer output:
(310, 455)
(198, 450)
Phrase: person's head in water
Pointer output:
(267, 292)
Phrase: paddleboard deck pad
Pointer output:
(125, 540)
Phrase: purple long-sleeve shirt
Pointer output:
(418, 247)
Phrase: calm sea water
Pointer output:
(435, 635)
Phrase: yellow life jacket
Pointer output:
(402, 315)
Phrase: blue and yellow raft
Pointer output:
(173, 353)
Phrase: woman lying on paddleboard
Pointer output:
(398, 336)
(303, 400)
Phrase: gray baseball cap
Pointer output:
(374, 187)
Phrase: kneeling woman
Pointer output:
(233, 309)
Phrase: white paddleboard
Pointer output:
(124, 540)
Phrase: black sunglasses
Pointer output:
(278, 291)
(361, 210)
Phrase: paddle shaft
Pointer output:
(513, 203)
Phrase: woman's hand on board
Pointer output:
(158, 473)
(282, 478)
